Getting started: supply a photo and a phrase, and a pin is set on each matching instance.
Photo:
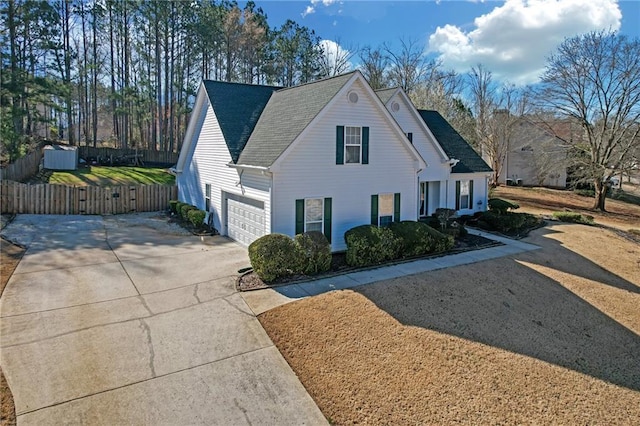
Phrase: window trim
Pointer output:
(347, 144)
(321, 221)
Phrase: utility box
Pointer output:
(60, 157)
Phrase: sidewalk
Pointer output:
(263, 300)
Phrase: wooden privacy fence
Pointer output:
(63, 199)
(148, 156)
(23, 168)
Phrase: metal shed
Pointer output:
(59, 157)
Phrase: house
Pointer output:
(535, 156)
(325, 156)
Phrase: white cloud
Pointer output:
(308, 11)
(513, 40)
(311, 8)
(336, 58)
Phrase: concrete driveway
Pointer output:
(127, 320)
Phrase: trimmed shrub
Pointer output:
(418, 238)
(500, 206)
(314, 251)
(196, 217)
(179, 206)
(172, 206)
(574, 218)
(184, 211)
(508, 223)
(274, 256)
(370, 245)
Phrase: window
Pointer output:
(314, 214)
(464, 194)
(410, 137)
(424, 199)
(385, 208)
(352, 144)
(207, 197)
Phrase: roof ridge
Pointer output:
(242, 84)
(322, 80)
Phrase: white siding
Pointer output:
(207, 164)
(436, 169)
(480, 192)
(309, 170)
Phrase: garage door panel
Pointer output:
(245, 222)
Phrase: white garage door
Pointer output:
(245, 222)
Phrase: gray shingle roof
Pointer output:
(287, 114)
(386, 94)
(238, 108)
(453, 144)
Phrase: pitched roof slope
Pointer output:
(238, 108)
(386, 94)
(453, 144)
(287, 114)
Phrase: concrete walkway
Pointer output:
(125, 320)
(263, 300)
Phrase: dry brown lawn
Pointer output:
(545, 201)
(550, 336)
(10, 256)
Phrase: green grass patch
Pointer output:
(574, 218)
(113, 176)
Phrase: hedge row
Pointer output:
(371, 245)
(276, 255)
(187, 212)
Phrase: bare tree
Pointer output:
(496, 110)
(409, 65)
(373, 65)
(595, 79)
(335, 58)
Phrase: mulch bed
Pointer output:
(251, 281)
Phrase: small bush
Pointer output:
(418, 238)
(172, 206)
(573, 218)
(184, 211)
(274, 256)
(443, 215)
(500, 206)
(370, 245)
(179, 205)
(506, 223)
(196, 217)
(585, 192)
(314, 252)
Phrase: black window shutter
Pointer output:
(365, 145)
(457, 195)
(396, 207)
(471, 194)
(327, 219)
(299, 216)
(374, 209)
(339, 144)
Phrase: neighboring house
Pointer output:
(535, 157)
(325, 156)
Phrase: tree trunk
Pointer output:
(600, 195)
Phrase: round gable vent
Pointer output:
(353, 97)
(395, 107)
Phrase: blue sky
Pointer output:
(511, 38)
